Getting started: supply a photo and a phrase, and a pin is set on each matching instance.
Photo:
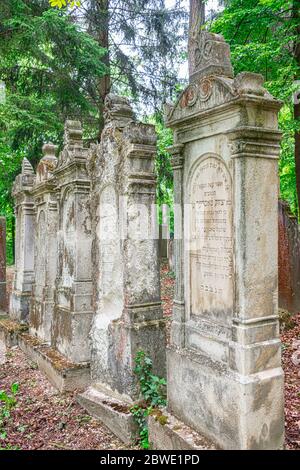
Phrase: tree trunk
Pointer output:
(296, 17)
(103, 86)
(197, 19)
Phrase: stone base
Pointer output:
(113, 413)
(168, 433)
(40, 319)
(237, 412)
(19, 306)
(9, 331)
(63, 374)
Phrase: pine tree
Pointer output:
(49, 68)
(264, 38)
(144, 42)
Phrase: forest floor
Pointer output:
(45, 419)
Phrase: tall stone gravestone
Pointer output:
(44, 196)
(24, 244)
(3, 305)
(128, 313)
(224, 365)
(73, 298)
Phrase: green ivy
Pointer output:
(8, 401)
(153, 392)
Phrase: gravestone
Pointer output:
(289, 259)
(225, 379)
(127, 304)
(3, 305)
(73, 288)
(44, 196)
(24, 244)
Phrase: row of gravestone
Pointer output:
(85, 280)
(87, 257)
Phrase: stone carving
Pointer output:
(209, 54)
(224, 367)
(117, 108)
(73, 287)
(210, 250)
(204, 93)
(47, 164)
(126, 291)
(24, 243)
(46, 223)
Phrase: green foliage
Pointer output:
(263, 35)
(145, 39)
(152, 390)
(163, 168)
(288, 125)
(140, 415)
(50, 68)
(64, 3)
(7, 402)
(151, 386)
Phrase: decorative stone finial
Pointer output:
(117, 108)
(47, 164)
(209, 54)
(73, 134)
(49, 151)
(27, 167)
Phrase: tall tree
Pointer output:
(296, 52)
(145, 42)
(50, 68)
(264, 38)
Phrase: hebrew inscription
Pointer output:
(210, 222)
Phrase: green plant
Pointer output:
(152, 387)
(7, 402)
(152, 390)
(140, 416)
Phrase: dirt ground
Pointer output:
(45, 419)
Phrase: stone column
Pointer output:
(142, 321)
(178, 320)
(126, 260)
(24, 244)
(73, 299)
(225, 379)
(3, 305)
(44, 195)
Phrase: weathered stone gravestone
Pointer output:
(3, 305)
(128, 313)
(24, 244)
(73, 290)
(225, 379)
(44, 196)
(289, 260)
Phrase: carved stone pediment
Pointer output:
(202, 94)
(212, 91)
